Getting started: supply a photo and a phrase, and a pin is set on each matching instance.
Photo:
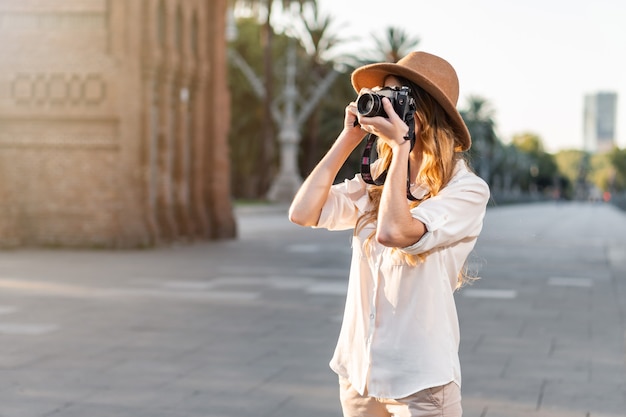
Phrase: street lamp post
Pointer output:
(288, 180)
(289, 119)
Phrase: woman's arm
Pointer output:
(396, 227)
(307, 204)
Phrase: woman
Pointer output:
(397, 353)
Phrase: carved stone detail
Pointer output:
(57, 89)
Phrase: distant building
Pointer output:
(114, 117)
(600, 115)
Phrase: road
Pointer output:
(246, 327)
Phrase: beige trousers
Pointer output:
(444, 401)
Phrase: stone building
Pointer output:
(113, 122)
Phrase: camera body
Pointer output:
(369, 103)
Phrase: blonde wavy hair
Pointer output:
(441, 151)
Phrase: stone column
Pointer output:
(151, 62)
(181, 144)
(218, 197)
(199, 142)
(167, 84)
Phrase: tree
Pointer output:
(479, 118)
(543, 174)
(263, 10)
(569, 164)
(529, 143)
(393, 45)
(318, 39)
(246, 134)
(603, 172)
(297, 98)
(617, 158)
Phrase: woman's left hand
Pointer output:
(391, 130)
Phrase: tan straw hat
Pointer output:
(433, 74)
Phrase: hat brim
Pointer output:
(373, 75)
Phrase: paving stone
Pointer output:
(247, 327)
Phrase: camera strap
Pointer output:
(366, 161)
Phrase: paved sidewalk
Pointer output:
(543, 331)
(246, 328)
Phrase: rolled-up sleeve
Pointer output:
(346, 202)
(455, 214)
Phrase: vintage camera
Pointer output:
(370, 104)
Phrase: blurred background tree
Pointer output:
(317, 40)
(519, 170)
(543, 172)
(617, 159)
(479, 118)
(392, 46)
(569, 164)
(263, 12)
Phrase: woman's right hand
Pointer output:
(308, 202)
(351, 126)
(350, 120)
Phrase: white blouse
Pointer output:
(400, 331)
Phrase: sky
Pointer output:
(532, 60)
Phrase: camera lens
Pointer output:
(370, 105)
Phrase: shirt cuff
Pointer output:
(418, 247)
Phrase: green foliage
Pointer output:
(245, 135)
(543, 173)
(529, 143)
(324, 125)
(606, 171)
(569, 162)
(618, 161)
(602, 173)
(395, 44)
(247, 114)
(478, 117)
(260, 7)
(572, 167)
(326, 121)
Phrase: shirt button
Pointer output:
(372, 316)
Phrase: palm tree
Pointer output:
(263, 9)
(317, 40)
(395, 44)
(479, 118)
